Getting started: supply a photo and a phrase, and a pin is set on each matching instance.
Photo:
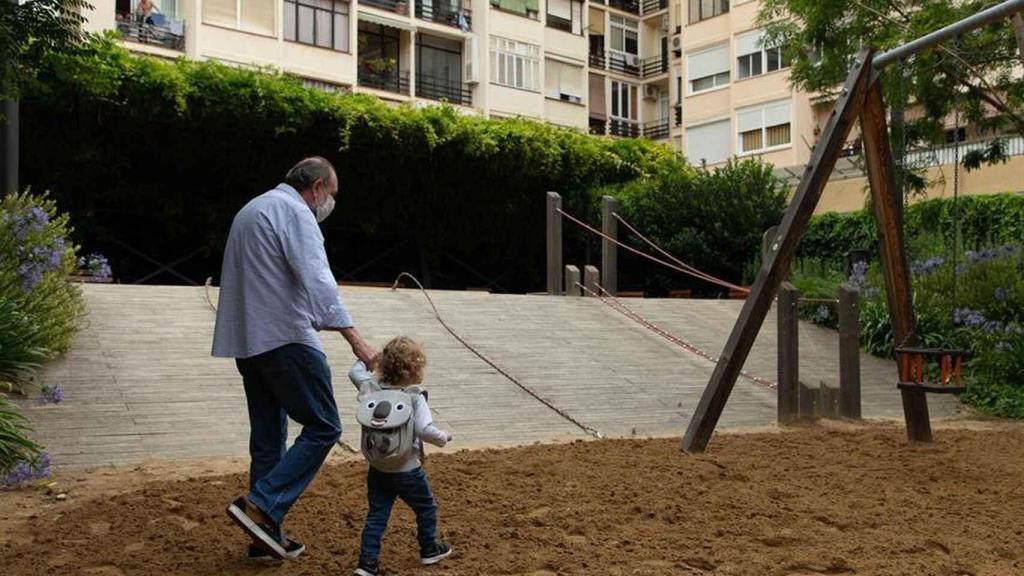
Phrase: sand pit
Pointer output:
(800, 503)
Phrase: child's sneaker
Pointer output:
(435, 553)
(374, 569)
(292, 549)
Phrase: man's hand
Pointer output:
(360, 348)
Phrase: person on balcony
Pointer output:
(145, 10)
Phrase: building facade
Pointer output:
(693, 74)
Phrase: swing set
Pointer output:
(860, 97)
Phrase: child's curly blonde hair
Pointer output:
(402, 361)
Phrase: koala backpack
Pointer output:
(388, 426)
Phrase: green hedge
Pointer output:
(159, 155)
(984, 221)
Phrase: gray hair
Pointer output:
(307, 171)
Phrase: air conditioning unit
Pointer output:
(651, 92)
(632, 60)
(677, 44)
(471, 61)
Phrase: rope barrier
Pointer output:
(621, 308)
(698, 274)
(437, 315)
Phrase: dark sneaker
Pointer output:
(374, 569)
(258, 526)
(435, 553)
(292, 549)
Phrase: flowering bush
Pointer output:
(27, 470)
(95, 265)
(39, 313)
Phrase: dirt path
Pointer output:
(813, 501)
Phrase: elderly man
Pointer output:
(277, 292)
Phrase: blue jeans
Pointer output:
(291, 381)
(381, 489)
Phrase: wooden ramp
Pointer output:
(140, 382)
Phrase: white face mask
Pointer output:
(324, 209)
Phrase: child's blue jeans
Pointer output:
(381, 489)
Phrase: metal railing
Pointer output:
(946, 154)
(441, 89)
(396, 6)
(656, 130)
(598, 60)
(678, 114)
(652, 6)
(445, 13)
(623, 64)
(623, 128)
(155, 35)
(654, 65)
(387, 80)
(631, 6)
(598, 126)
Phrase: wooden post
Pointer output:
(755, 308)
(554, 244)
(788, 354)
(828, 401)
(810, 396)
(609, 250)
(849, 352)
(888, 207)
(590, 280)
(572, 280)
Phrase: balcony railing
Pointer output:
(631, 6)
(396, 6)
(445, 13)
(654, 66)
(652, 6)
(679, 114)
(167, 35)
(656, 130)
(623, 128)
(627, 65)
(441, 89)
(387, 80)
(946, 154)
(598, 60)
(598, 126)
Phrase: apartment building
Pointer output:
(694, 74)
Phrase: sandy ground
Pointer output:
(826, 500)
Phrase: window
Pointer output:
(563, 81)
(528, 8)
(763, 127)
(704, 9)
(708, 143)
(623, 35)
(754, 59)
(248, 15)
(624, 102)
(515, 64)
(439, 59)
(708, 69)
(378, 50)
(321, 23)
(956, 135)
(566, 15)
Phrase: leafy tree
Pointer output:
(31, 29)
(977, 76)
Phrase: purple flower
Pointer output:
(990, 326)
(26, 471)
(856, 278)
(967, 317)
(822, 314)
(1000, 294)
(1004, 347)
(97, 265)
(52, 394)
(926, 267)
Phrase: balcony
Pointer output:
(164, 33)
(625, 64)
(652, 6)
(656, 130)
(598, 126)
(631, 6)
(654, 66)
(445, 13)
(386, 80)
(623, 128)
(559, 23)
(443, 90)
(598, 60)
(678, 114)
(396, 6)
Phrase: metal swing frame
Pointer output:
(860, 97)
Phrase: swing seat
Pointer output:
(915, 377)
